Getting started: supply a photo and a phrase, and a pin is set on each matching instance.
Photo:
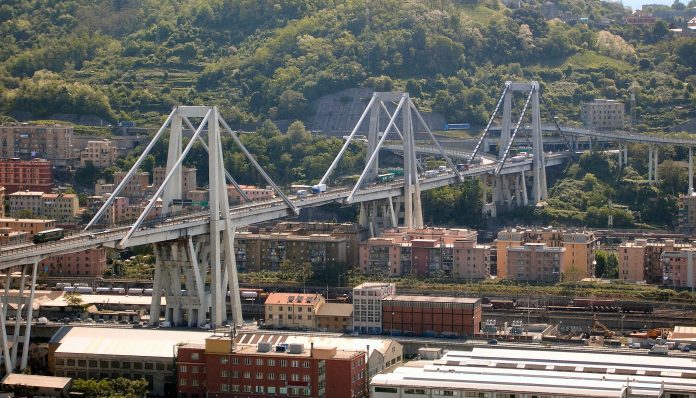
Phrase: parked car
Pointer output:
(492, 342)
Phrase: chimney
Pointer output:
(311, 350)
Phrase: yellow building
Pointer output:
(292, 310)
(60, 207)
(100, 153)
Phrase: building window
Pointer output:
(182, 382)
(194, 356)
(259, 375)
(247, 361)
(271, 376)
(224, 373)
(282, 377)
(194, 369)
(295, 364)
(259, 362)
(271, 362)
(295, 377)
(306, 365)
(259, 389)
(225, 387)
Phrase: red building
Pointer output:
(20, 175)
(90, 262)
(431, 315)
(221, 368)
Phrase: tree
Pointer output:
(612, 270)
(291, 104)
(110, 388)
(297, 133)
(601, 263)
(73, 299)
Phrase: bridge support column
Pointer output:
(30, 307)
(625, 153)
(691, 171)
(505, 125)
(650, 164)
(538, 163)
(525, 197)
(3, 326)
(18, 316)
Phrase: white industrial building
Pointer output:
(544, 373)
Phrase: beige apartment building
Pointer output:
(29, 142)
(292, 310)
(100, 153)
(56, 206)
(26, 201)
(471, 260)
(31, 226)
(579, 245)
(352, 232)
(602, 114)
(535, 262)
(136, 186)
(188, 177)
(641, 260)
(60, 207)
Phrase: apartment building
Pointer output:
(292, 310)
(578, 258)
(100, 153)
(26, 201)
(22, 175)
(422, 252)
(686, 216)
(641, 260)
(135, 188)
(367, 306)
(28, 225)
(252, 192)
(222, 368)
(267, 251)
(60, 207)
(188, 177)
(29, 142)
(602, 114)
(431, 315)
(57, 206)
(678, 268)
(352, 232)
(90, 262)
(471, 260)
(536, 262)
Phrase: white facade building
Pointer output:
(367, 306)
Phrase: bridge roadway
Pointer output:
(177, 227)
(619, 135)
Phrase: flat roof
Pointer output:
(158, 343)
(573, 358)
(323, 340)
(542, 385)
(16, 379)
(436, 299)
(105, 299)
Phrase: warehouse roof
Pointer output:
(19, 379)
(158, 343)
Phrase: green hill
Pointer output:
(134, 59)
